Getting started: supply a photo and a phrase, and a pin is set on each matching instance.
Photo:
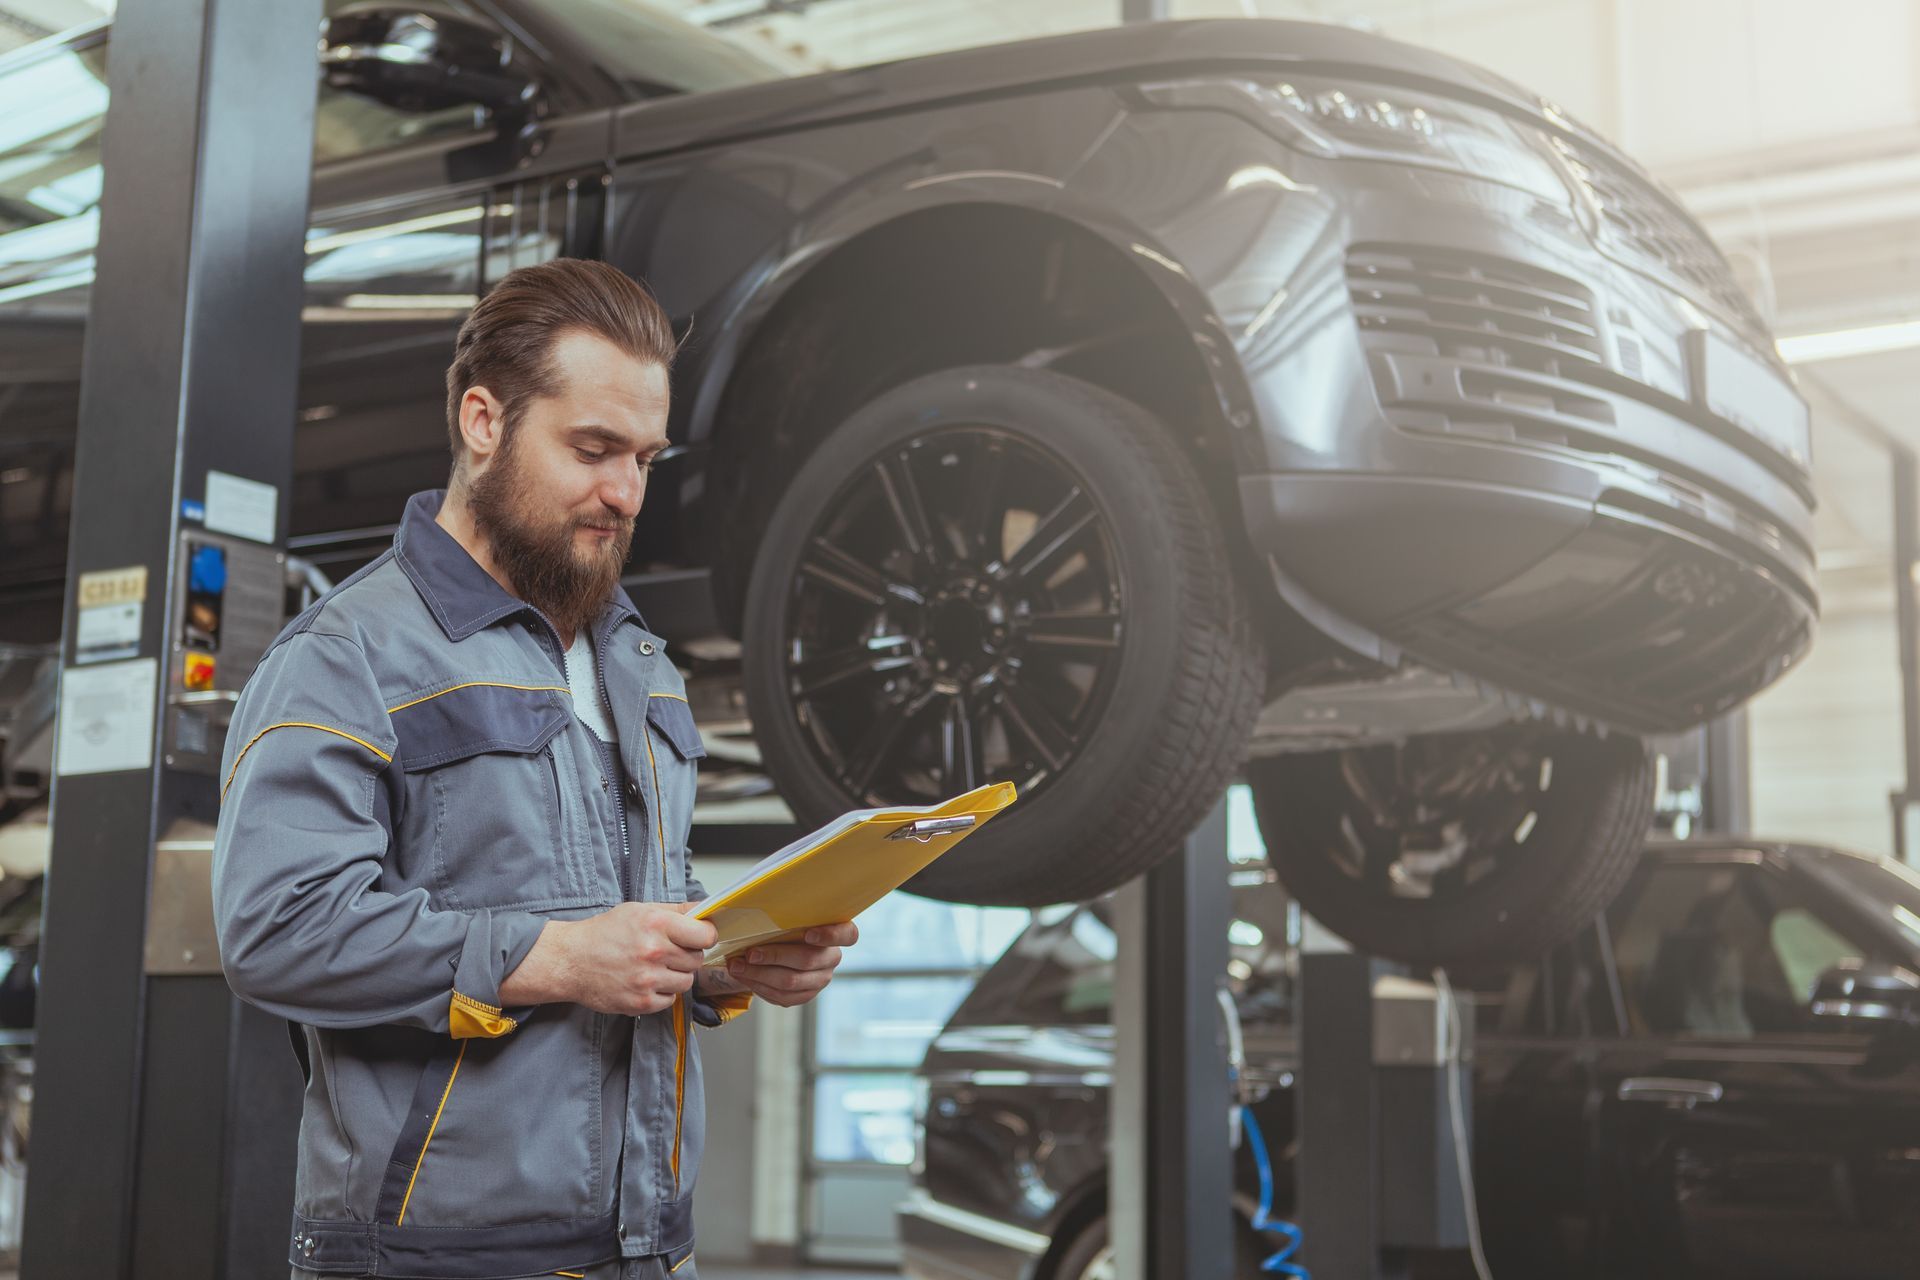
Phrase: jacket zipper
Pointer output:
(682, 1008)
(609, 781)
(619, 801)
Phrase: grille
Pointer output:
(1483, 309)
(1653, 227)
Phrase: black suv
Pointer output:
(1695, 1088)
(1085, 412)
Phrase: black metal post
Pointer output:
(1171, 1194)
(1338, 1117)
(152, 1154)
(1727, 800)
(1906, 556)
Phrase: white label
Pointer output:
(105, 632)
(243, 508)
(106, 717)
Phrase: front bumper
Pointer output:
(1489, 450)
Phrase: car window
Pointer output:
(1723, 951)
(1069, 973)
(347, 124)
(1806, 948)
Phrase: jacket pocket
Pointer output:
(482, 758)
(503, 1131)
(673, 750)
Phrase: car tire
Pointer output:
(1132, 638)
(1549, 824)
(1089, 1257)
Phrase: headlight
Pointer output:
(1361, 122)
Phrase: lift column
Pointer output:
(162, 1112)
(1170, 1195)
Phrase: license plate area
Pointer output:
(1732, 383)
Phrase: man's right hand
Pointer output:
(637, 958)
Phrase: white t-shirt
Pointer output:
(583, 677)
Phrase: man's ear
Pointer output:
(483, 424)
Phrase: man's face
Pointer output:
(557, 499)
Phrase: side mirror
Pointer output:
(1868, 996)
(417, 61)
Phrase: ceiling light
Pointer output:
(1870, 340)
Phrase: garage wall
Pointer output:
(1826, 741)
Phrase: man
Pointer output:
(453, 840)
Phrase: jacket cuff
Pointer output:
(496, 944)
(711, 1011)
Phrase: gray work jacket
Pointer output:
(408, 798)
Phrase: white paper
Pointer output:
(106, 717)
(107, 631)
(241, 507)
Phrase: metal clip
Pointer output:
(927, 828)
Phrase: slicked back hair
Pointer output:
(506, 344)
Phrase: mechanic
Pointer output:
(452, 847)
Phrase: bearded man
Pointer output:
(452, 847)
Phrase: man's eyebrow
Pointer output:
(611, 438)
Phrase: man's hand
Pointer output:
(785, 973)
(637, 958)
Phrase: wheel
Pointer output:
(1456, 848)
(993, 574)
(1089, 1257)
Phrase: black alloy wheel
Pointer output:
(1458, 848)
(1000, 574)
(957, 618)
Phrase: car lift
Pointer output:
(164, 1110)
(1377, 1171)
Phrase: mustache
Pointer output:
(609, 523)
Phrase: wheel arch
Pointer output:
(1010, 283)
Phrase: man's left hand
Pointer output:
(787, 973)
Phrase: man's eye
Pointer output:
(588, 455)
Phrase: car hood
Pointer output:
(1131, 51)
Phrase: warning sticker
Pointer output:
(107, 623)
(106, 717)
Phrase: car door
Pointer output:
(53, 101)
(1742, 1137)
(416, 212)
(1532, 1120)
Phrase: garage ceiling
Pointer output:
(1795, 136)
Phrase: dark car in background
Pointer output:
(1699, 1086)
(1085, 412)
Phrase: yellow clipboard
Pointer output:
(842, 869)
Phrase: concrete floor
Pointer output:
(731, 1273)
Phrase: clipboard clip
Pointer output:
(927, 828)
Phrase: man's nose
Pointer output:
(624, 492)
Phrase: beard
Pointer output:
(537, 552)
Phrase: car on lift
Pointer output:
(1720, 1078)
(1087, 412)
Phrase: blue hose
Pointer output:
(1286, 1234)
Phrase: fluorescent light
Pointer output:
(1872, 339)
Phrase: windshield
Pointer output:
(1878, 884)
(652, 53)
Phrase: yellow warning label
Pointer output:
(113, 586)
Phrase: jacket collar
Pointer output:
(463, 597)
